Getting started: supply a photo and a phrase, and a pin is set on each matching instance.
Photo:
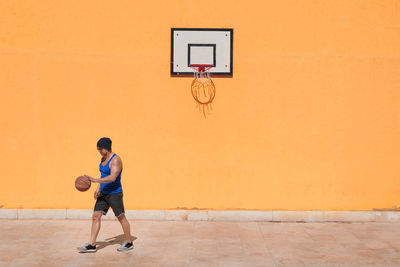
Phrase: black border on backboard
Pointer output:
(190, 74)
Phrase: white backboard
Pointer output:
(201, 46)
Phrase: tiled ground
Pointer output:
(188, 243)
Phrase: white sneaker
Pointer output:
(125, 246)
(87, 248)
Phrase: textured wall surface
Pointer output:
(310, 119)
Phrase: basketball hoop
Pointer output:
(203, 89)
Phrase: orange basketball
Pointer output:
(82, 183)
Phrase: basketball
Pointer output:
(82, 183)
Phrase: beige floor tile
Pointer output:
(201, 243)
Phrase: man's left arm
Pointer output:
(115, 169)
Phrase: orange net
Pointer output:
(203, 89)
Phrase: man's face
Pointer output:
(102, 151)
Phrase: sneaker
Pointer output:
(87, 248)
(125, 246)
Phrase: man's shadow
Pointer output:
(119, 239)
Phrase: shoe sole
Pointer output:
(86, 251)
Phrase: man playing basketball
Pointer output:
(108, 193)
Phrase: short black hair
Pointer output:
(104, 142)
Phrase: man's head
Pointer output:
(104, 146)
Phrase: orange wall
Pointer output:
(310, 119)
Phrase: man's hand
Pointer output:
(93, 180)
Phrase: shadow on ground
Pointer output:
(119, 239)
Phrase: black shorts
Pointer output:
(104, 202)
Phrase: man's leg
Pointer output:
(126, 227)
(117, 204)
(96, 222)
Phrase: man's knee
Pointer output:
(97, 215)
(121, 217)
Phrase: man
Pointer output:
(108, 193)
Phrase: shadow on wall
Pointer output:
(394, 208)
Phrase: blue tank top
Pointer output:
(111, 187)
